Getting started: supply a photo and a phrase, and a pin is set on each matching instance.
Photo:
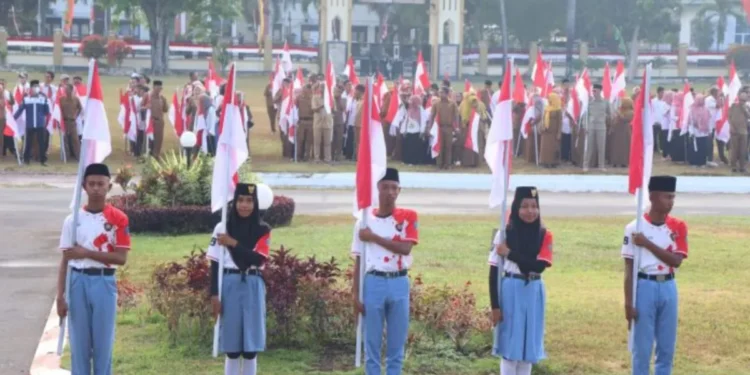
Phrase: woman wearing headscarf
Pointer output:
(619, 132)
(471, 109)
(677, 141)
(244, 246)
(518, 305)
(412, 123)
(549, 153)
(700, 128)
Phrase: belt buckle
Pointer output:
(661, 278)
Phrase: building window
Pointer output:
(359, 34)
(742, 32)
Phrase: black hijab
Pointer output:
(247, 231)
(524, 238)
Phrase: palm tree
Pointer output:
(720, 11)
(570, 36)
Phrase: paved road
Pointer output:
(28, 261)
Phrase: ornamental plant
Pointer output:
(93, 46)
(117, 51)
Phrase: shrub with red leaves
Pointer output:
(117, 51)
(127, 291)
(280, 213)
(93, 46)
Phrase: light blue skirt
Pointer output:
(520, 336)
(243, 314)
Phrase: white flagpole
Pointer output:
(76, 209)
(63, 154)
(18, 149)
(362, 260)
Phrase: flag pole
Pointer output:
(76, 209)
(363, 257)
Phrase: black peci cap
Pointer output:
(96, 169)
(523, 192)
(666, 184)
(391, 174)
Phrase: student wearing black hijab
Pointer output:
(244, 246)
(526, 253)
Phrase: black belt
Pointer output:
(522, 277)
(659, 278)
(249, 271)
(389, 275)
(95, 271)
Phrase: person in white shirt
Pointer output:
(714, 105)
(386, 241)
(656, 251)
(92, 250)
(699, 120)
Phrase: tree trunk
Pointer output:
(570, 36)
(160, 24)
(633, 54)
(504, 25)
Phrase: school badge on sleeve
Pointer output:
(107, 227)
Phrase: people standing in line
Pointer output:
(595, 129)
(551, 132)
(391, 234)
(518, 305)
(92, 251)
(35, 107)
(738, 122)
(158, 108)
(659, 248)
(244, 246)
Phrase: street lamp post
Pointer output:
(188, 141)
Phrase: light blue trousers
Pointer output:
(656, 303)
(92, 309)
(386, 301)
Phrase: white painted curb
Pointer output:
(46, 361)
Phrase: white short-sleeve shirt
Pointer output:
(102, 231)
(215, 251)
(670, 236)
(401, 225)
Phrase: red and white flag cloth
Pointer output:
(54, 120)
(735, 85)
(278, 78)
(286, 59)
(573, 107)
(18, 93)
(422, 78)
(371, 156)
(96, 141)
(499, 150)
(11, 127)
(381, 88)
(435, 136)
(528, 116)
(213, 81)
(607, 83)
(584, 91)
(299, 81)
(122, 114)
(393, 105)
(540, 74)
(618, 84)
(467, 85)
(550, 79)
(472, 132)
(351, 73)
(231, 150)
(132, 115)
(330, 83)
(519, 92)
(287, 105)
(642, 139)
(175, 117)
(687, 103)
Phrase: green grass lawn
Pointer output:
(264, 145)
(586, 330)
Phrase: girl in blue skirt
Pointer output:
(244, 246)
(518, 304)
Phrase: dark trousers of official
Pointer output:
(722, 146)
(738, 158)
(9, 144)
(657, 139)
(565, 143)
(39, 136)
(140, 136)
(211, 139)
(663, 143)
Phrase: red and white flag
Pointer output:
(11, 127)
(573, 106)
(174, 115)
(499, 150)
(472, 132)
(371, 156)
(393, 105)
(278, 78)
(380, 90)
(351, 73)
(122, 114)
(642, 139)
(519, 92)
(540, 74)
(231, 151)
(607, 83)
(213, 81)
(96, 136)
(735, 85)
(422, 78)
(286, 59)
(435, 136)
(618, 84)
(467, 85)
(687, 103)
(299, 81)
(330, 84)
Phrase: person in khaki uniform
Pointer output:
(304, 141)
(738, 119)
(446, 111)
(337, 144)
(322, 125)
(287, 147)
(595, 129)
(158, 108)
(70, 108)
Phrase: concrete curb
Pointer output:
(46, 361)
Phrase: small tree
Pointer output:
(93, 47)
(117, 51)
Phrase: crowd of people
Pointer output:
(546, 131)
